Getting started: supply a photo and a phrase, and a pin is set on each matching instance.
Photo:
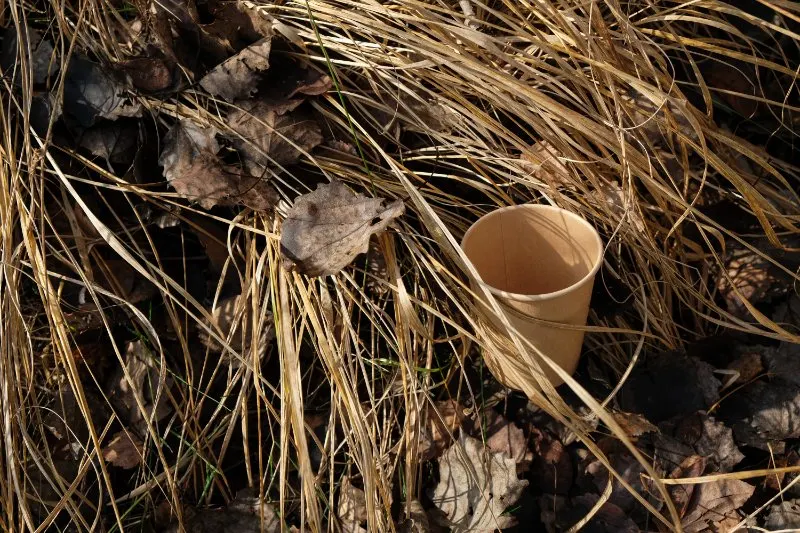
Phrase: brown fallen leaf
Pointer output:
(124, 451)
(247, 513)
(475, 487)
(21, 39)
(712, 503)
(417, 521)
(352, 509)
(784, 516)
(271, 134)
(705, 436)
(634, 425)
(194, 170)
(764, 414)
(692, 466)
(559, 514)
(237, 77)
(777, 481)
(503, 436)
(91, 93)
(551, 469)
(443, 421)
(327, 228)
(232, 319)
(145, 382)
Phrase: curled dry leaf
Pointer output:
(327, 228)
(237, 77)
(232, 318)
(91, 93)
(475, 487)
(125, 450)
(352, 510)
(194, 170)
(272, 134)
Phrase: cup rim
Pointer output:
(547, 295)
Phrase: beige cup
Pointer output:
(539, 261)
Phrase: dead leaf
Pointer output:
(620, 202)
(784, 362)
(754, 276)
(232, 319)
(634, 425)
(417, 521)
(237, 77)
(272, 134)
(326, 229)
(692, 466)
(194, 170)
(705, 436)
(475, 487)
(764, 413)
(713, 502)
(443, 421)
(651, 391)
(145, 381)
(352, 510)
(657, 120)
(503, 436)
(43, 60)
(247, 513)
(542, 161)
(625, 464)
(784, 516)
(552, 468)
(559, 514)
(776, 481)
(115, 142)
(124, 451)
(91, 93)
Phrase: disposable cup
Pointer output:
(540, 263)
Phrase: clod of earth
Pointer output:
(327, 228)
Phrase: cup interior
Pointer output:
(532, 250)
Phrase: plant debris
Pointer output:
(124, 451)
(247, 513)
(352, 510)
(91, 93)
(237, 77)
(194, 170)
(327, 228)
(475, 487)
(272, 134)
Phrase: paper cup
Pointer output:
(540, 263)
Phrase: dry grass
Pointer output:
(615, 90)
